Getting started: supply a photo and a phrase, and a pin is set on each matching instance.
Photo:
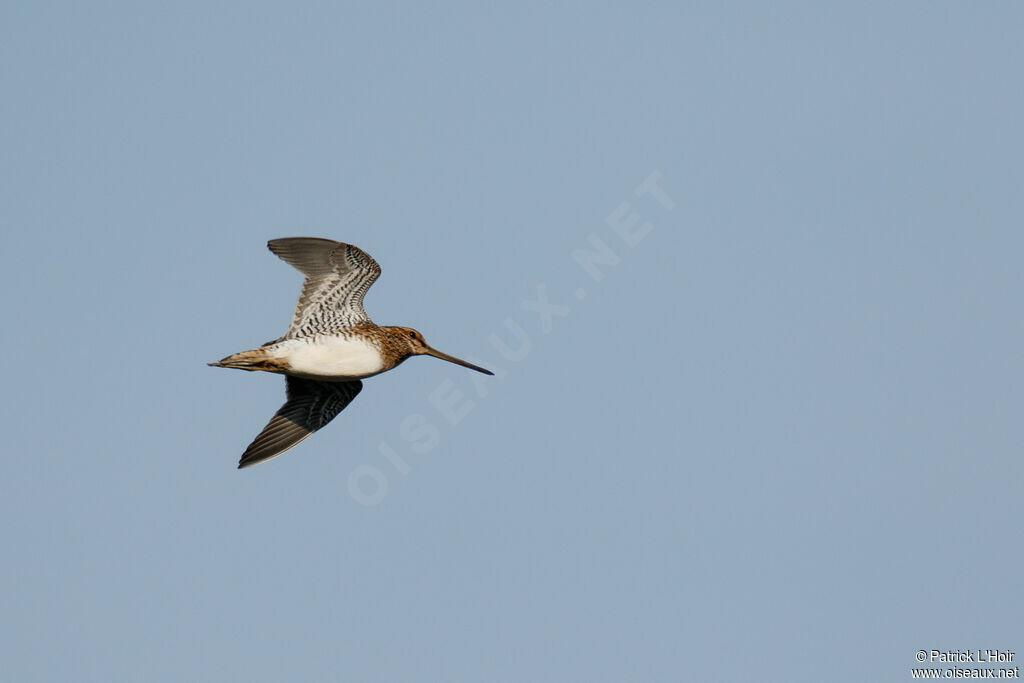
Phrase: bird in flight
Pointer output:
(330, 346)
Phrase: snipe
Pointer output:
(330, 346)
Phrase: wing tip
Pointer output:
(281, 242)
(255, 459)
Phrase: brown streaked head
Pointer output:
(418, 346)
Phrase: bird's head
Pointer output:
(418, 346)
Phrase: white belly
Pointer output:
(331, 358)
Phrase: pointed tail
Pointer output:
(257, 359)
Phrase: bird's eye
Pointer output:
(412, 335)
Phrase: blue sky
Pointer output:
(774, 434)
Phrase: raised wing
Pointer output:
(337, 277)
(309, 407)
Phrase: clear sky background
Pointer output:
(780, 438)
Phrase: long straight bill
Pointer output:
(458, 361)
